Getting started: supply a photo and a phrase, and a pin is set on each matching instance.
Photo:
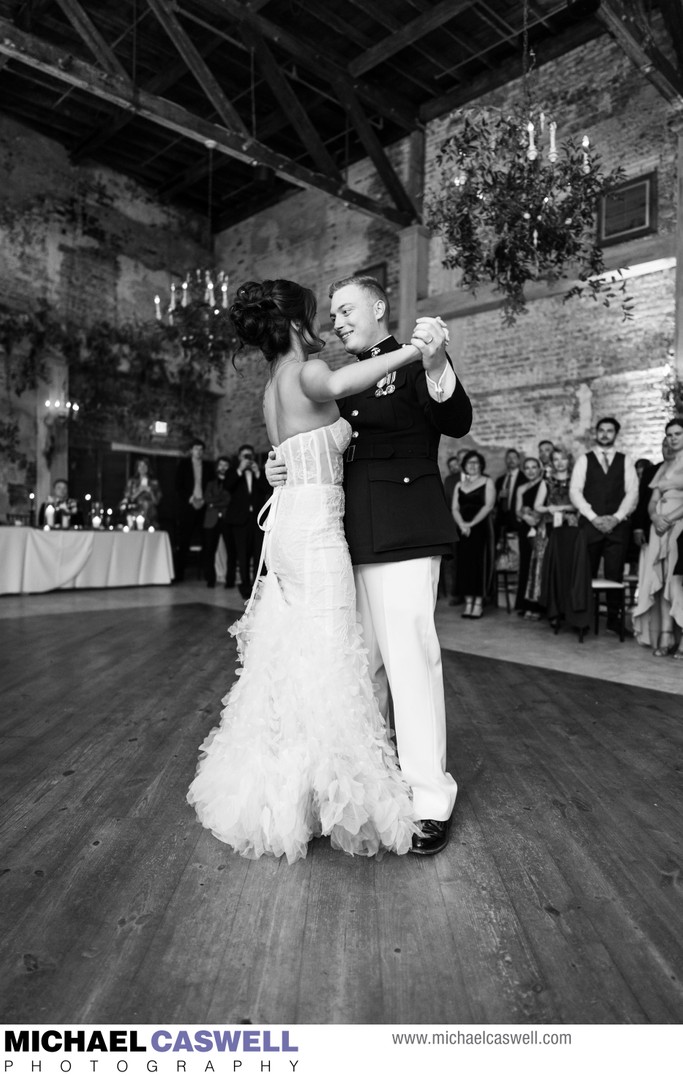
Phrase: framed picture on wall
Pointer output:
(379, 271)
(630, 211)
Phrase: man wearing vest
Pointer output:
(604, 488)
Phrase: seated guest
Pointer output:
(142, 493)
(474, 499)
(528, 520)
(249, 491)
(64, 511)
(658, 614)
(217, 497)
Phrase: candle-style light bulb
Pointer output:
(172, 304)
(157, 307)
(552, 152)
(224, 291)
(532, 152)
(585, 142)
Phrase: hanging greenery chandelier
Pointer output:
(513, 205)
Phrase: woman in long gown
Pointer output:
(474, 499)
(528, 520)
(302, 749)
(658, 615)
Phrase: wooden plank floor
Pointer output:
(559, 898)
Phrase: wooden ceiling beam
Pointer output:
(86, 29)
(630, 30)
(290, 103)
(374, 149)
(391, 105)
(33, 52)
(408, 34)
(197, 65)
(345, 27)
(102, 133)
(513, 69)
(29, 12)
(672, 13)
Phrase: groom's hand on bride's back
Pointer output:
(276, 470)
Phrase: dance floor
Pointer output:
(558, 900)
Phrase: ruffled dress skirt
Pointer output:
(302, 750)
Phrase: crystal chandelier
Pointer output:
(197, 314)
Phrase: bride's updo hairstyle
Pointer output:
(262, 315)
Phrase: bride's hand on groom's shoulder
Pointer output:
(276, 470)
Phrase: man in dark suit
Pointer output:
(248, 493)
(191, 478)
(398, 525)
(216, 526)
(505, 520)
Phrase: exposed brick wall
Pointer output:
(91, 241)
(563, 364)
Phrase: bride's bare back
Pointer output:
(287, 408)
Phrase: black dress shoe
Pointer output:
(433, 839)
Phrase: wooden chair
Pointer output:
(608, 586)
(508, 579)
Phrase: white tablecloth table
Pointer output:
(34, 561)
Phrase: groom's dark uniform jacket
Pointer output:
(395, 504)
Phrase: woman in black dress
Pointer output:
(474, 499)
(528, 520)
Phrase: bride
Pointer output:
(302, 750)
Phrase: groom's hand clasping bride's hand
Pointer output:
(276, 470)
(430, 336)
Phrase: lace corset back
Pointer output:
(316, 457)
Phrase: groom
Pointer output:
(398, 525)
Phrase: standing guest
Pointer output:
(447, 578)
(545, 455)
(474, 500)
(60, 510)
(217, 497)
(248, 491)
(302, 749)
(604, 488)
(565, 577)
(191, 478)
(142, 493)
(454, 472)
(398, 527)
(658, 614)
(505, 517)
(640, 518)
(528, 520)
(554, 507)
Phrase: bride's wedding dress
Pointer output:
(302, 749)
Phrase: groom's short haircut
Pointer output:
(368, 284)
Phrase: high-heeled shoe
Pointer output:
(476, 609)
(468, 609)
(665, 645)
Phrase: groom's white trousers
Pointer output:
(396, 604)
